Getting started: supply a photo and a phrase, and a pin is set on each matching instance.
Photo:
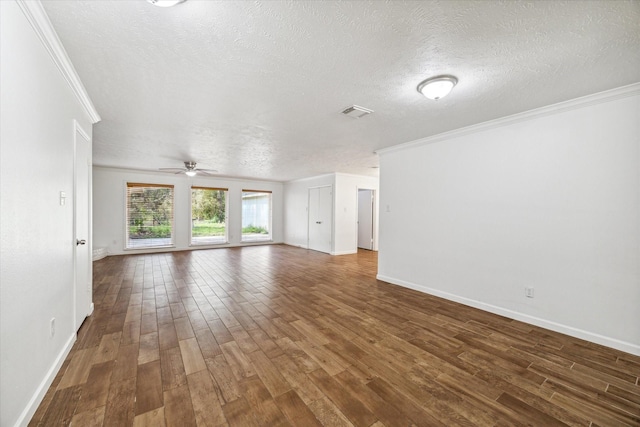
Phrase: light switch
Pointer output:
(63, 198)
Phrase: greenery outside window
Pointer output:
(208, 216)
(149, 215)
(256, 215)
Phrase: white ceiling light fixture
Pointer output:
(165, 3)
(437, 87)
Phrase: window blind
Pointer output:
(149, 218)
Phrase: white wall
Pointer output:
(548, 199)
(109, 186)
(345, 212)
(38, 109)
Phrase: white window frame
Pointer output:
(268, 237)
(171, 243)
(226, 216)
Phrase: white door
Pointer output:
(82, 199)
(365, 219)
(320, 218)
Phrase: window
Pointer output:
(256, 215)
(208, 215)
(149, 215)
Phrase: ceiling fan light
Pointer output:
(437, 87)
(165, 3)
(191, 173)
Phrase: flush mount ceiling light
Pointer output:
(437, 87)
(165, 3)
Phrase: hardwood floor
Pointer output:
(276, 335)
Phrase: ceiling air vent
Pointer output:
(356, 111)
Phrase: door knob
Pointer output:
(80, 242)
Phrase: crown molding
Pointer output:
(310, 178)
(584, 101)
(40, 22)
(353, 175)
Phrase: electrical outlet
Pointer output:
(528, 292)
(52, 327)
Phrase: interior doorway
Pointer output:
(366, 200)
(320, 218)
(82, 227)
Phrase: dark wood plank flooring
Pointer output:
(276, 335)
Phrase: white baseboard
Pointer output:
(537, 321)
(295, 245)
(99, 253)
(37, 397)
(330, 253)
(91, 307)
(344, 252)
(190, 248)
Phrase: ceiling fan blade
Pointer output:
(178, 171)
(206, 171)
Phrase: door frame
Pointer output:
(374, 217)
(78, 130)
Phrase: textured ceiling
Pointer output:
(255, 89)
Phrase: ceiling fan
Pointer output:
(189, 169)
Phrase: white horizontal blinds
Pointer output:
(193, 187)
(137, 184)
(208, 215)
(256, 215)
(149, 215)
(257, 191)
